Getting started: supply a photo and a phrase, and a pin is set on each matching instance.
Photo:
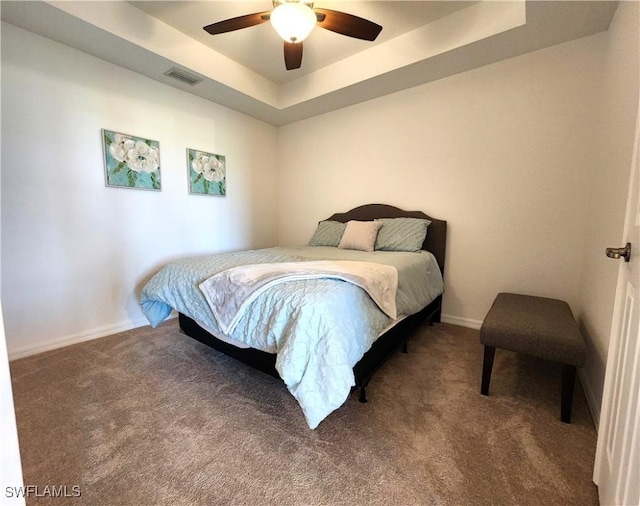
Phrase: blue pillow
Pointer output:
(401, 234)
(328, 233)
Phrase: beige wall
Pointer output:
(608, 187)
(75, 253)
(503, 152)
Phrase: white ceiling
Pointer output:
(421, 41)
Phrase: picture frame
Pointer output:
(207, 173)
(131, 161)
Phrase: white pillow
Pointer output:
(360, 235)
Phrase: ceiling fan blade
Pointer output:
(292, 55)
(229, 25)
(348, 24)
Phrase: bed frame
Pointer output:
(387, 343)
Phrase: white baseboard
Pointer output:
(462, 322)
(107, 330)
(88, 335)
(594, 408)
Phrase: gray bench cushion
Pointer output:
(537, 326)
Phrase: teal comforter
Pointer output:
(319, 328)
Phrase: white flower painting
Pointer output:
(207, 173)
(131, 162)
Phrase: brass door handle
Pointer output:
(620, 252)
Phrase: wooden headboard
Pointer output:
(436, 233)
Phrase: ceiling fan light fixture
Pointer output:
(293, 21)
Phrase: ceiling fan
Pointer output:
(294, 20)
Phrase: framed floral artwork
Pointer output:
(207, 173)
(131, 162)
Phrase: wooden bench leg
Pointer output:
(568, 382)
(487, 367)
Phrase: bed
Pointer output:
(322, 336)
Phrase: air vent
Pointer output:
(183, 75)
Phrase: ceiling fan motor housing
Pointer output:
(293, 20)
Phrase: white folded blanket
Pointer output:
(230, 292)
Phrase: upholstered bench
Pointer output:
(537, 326)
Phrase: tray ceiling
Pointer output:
(244, 70)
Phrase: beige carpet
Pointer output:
(152, 417)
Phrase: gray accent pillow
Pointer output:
(328, 233)
(360, 235)
(401, 234)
